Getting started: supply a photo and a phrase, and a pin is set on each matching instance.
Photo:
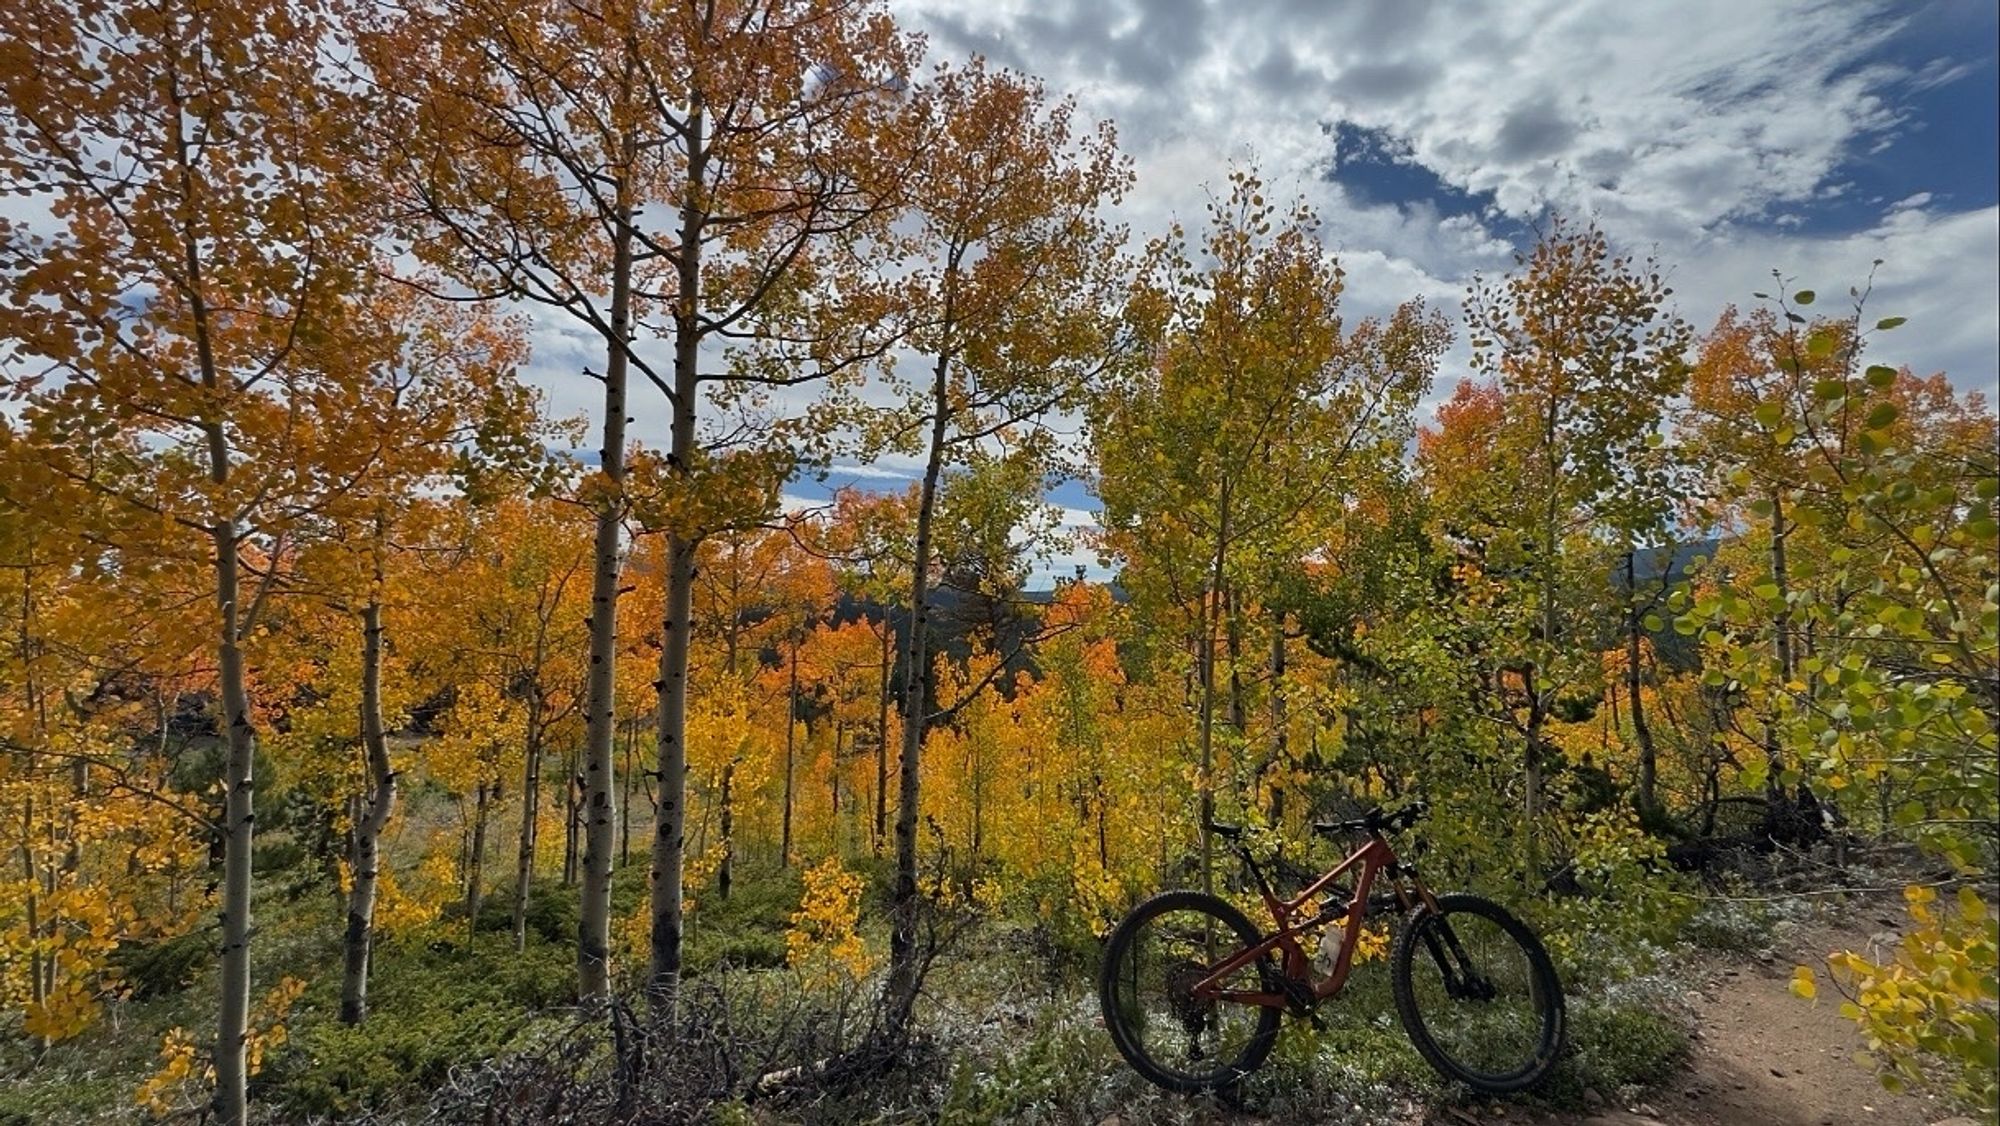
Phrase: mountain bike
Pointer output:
(1192, 993)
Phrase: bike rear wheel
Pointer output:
(1152, 961)
(1478, 995)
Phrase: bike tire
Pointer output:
(1123, 953)
(1421, 1008)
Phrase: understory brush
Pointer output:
(462, 1028)
(435, 1004)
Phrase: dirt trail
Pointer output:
(1762, 1057)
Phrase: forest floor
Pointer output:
(1759, 1056)
(1701, 1032)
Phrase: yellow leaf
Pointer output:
(1803, 983)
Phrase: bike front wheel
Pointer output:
(1153, 960)
(1478, 995)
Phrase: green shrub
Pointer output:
(276, 852)
(1053, 1072)
(552, 912)
(157, 969)
(747, 930)
(739, 949)
(431, 1006)
(336, 1069)
(1621, 1042)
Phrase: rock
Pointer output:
(1957, 1120)
(1777, 1073)
(1593, 1098)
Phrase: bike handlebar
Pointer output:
(1374, 821)
(1377, 820)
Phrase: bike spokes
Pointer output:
(1478, 993)
(1182, 1028)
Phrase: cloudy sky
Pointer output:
(1728, 137)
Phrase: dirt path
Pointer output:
(1762, 1057)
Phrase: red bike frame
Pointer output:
(1288, 917)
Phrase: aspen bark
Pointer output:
(1642, 732)
(531, 811)
(882, 736)
(1280, 719)
(365, 861)
(1781, 630)
(903, 970)
(475, 868)
(593, 937)
(232, 1072)
(677, 628)
(791, 749)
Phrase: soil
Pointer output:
(1763, 1057)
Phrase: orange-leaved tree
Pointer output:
(428, 389)
(1010, 303)
(651, 170)
(189, 231)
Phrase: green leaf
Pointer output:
(1881, 375)
(1881, 416)
(1754, 772)
(1804, 296)
(1651, 623)
(1770, 414)
(1887, 323)
(1820, 343)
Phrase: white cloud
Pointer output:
(1694, 129)
(1708, 132)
